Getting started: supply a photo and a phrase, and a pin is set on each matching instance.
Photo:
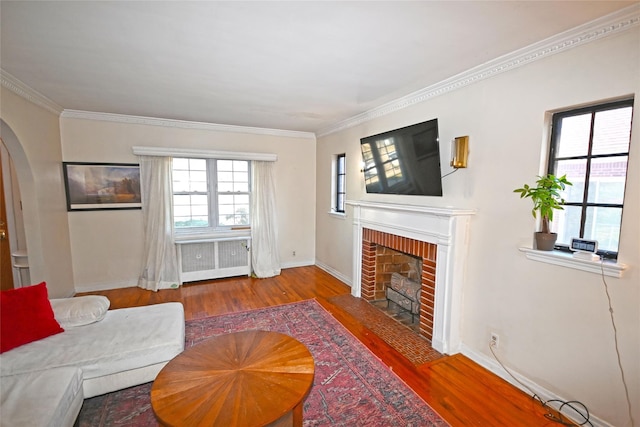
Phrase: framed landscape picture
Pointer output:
(96, 186)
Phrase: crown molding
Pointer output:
(611, 24)
(182, 124)
(595, 30)
(32, 95)
(203, 154)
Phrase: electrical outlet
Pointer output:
(494, 340)
(293, 253)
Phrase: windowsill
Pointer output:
(210, 236)
(564, 259)
(341, 215)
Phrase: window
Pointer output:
(210, 194)
(339, 184)
(384, 156)
(591, 146)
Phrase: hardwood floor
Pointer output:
(461, 391)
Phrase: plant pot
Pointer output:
(545, 241)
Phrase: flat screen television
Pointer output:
(403, 161)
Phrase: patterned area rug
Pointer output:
(351, 386)
(414, 347)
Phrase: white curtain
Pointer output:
(264, 233)
(160, 261)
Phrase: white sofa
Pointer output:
(43, 383)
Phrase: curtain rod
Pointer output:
(204, 154)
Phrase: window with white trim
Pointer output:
(591, 146)
(339, 183)
(210, 194)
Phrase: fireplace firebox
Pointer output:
(372, 289)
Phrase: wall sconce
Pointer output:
(460, 152)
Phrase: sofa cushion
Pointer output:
(126, 339)
(50, 398)
(25, 316)
(80, 311)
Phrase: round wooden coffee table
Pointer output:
(252, 378)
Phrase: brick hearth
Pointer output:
(371, 289)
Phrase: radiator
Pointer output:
(214, 258)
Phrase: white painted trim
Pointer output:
(614, 23)
(31, 95)
(187, 236)
(492, 365)
(611, 24)
(304, 263)
(440, 212)
(566, 259)
(11, 218)
(182, 124)
(204, 154)
(105, 286)
(335, 273)
(339, 215)
(448, 228)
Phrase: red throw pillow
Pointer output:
(26, 316)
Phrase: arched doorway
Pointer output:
(14, 269)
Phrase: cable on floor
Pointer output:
(584, 411)
(560, 418)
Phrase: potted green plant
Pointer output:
(546, 198)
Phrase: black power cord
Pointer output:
(615, 339)
(583, 412)
(570, 404)
(447, 174)
(560, 418)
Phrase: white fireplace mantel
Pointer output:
(448, 228)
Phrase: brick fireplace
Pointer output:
(430, 233)
(374, 275)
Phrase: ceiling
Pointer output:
(300, 66)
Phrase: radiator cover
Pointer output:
(214, 258)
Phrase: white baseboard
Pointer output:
(104, 286)
(492, 365)
(305, 263)
(334, 273)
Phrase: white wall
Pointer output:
(553, 322)
(107, 245)
(32, 137)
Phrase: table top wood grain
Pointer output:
(251, 378)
